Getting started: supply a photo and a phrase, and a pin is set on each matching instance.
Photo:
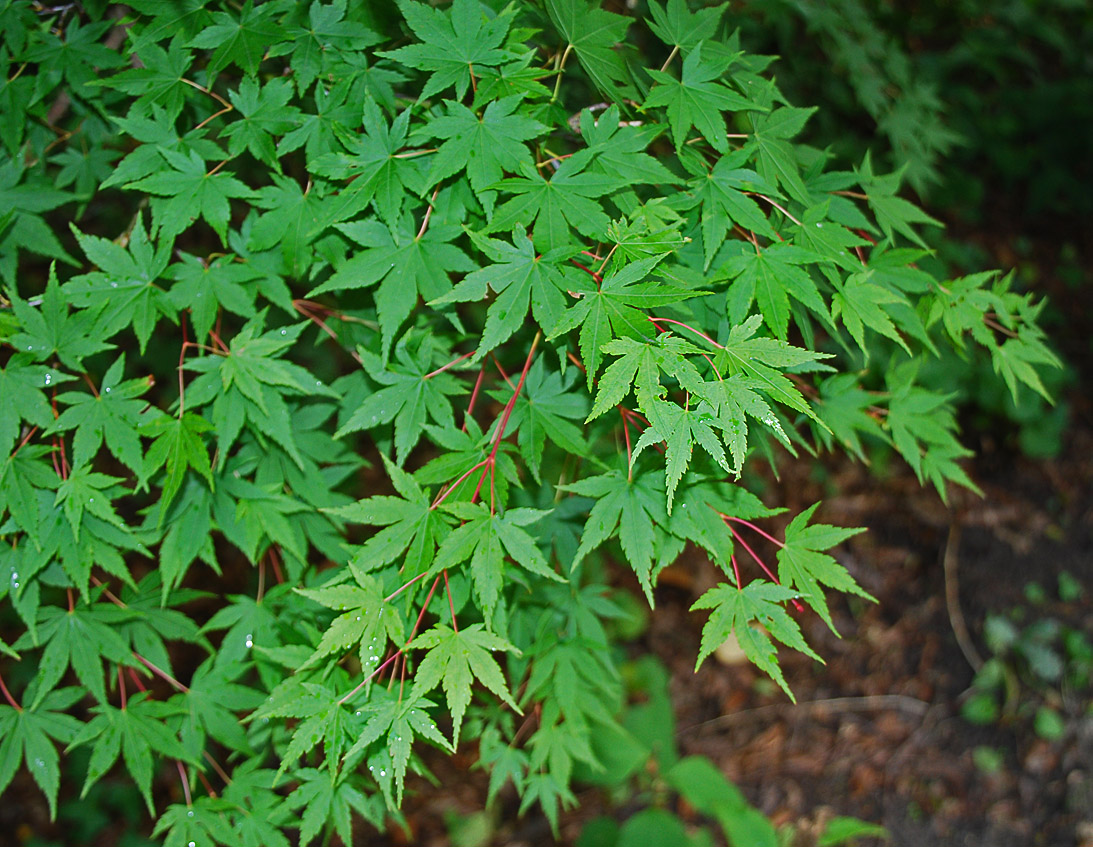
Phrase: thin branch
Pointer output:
(952, 599)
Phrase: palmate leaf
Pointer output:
(486, 540)
(680, 429)
(678, 26)
(545, 410)
(411, 526)
(123, 289)
(612, 309)
(455, 659)
(242, 41)
(594, 34)
(640, 364)
(423, 261)
(617, 149)
(21, 384)
(454, 42)
(741, 611)
(771, 276)
(137, 732)
(697, 99)
(52, 329)
(332, 802)
(777, 159)
(28, 734)
(178, 446)
(520, 277)
(326, 32)
(803, 565)
(265, 113)
(111, 415)
(367, 621)
(377, 172)
(410, 395)
(629, 507)
(188, 190)
(400, 720)
(485, 147)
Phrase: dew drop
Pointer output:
(191, 844)
(190, 813)
(372, 768)
(113, 285)
(358, 617)
(319, 383)
(90, 499)
(30, 347)
(357, 713)
(284, 332)
(819, 225)
(39, 763)
(383, 772)
(249, 641)
(48, 379)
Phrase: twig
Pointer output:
(952, 599)
(868, 703)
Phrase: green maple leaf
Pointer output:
(411, 393)
(736, 609)
(376, 170)
(367, 620)
(803, 565)
(486, 539)
(423, 262)
(291, 219)
(211, 704)
(178, 445)
(760, 359)
(862, 303)
(264, 112)
(22, 477)
(136, 732)
(411, 527)
(189, 191)
(25, 197)
(113, 415)
(679, 429)
(124, 286)
(158, 82)
(82, 638)
(845, 409)
(204, 287)
(520, 277)
(618, 149)
(454, 42)
(723, 193)
(485, 147)
(771, 276)
(325, 802)
(325, 32)
(321, 126)
(248, 623)
(551, 206)
(629, 507)
(541, 412)
(463, 449)
(675, 24)
(21, 384)
(400, 720)
(777, 157)
(454, 660)
(242, 41)
(250, 383)
(640, 364)
(184, 18)
(697, 99)
(593, 34)
(202, 821)
(26, 735)
(85, 490)
(733, 400)
(893, 214)
(51, 329)
(612, 309)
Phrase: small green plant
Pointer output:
(1040, 672)
(347, 349)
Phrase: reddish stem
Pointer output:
(8, 697)
(588, 271)
(185, 783)
(752, 526)
(688, 326)
(736, 570)
(402, 588)
(506, 415)
(450, 364)
(451, 603)
(474, 396)
(121, 688)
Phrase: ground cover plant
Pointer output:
(350, 352)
